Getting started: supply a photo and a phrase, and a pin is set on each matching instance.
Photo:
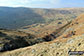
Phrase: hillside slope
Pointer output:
(14, 18)
(13, 39)
(72, 39)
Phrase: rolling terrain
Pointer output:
(41, 32)
(69, 37)
(15, 18)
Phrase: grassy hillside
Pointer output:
(71, 39)
(46, 32)
(14, 18)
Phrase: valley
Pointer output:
(41, 32)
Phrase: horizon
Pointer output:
(41, 8)
(43, 3)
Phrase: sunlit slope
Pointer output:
(41, 30)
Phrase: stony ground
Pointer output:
(50, 49)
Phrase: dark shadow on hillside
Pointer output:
(13, 18)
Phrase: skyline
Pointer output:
(43, 3)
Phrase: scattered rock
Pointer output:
(57, 53)
(76, 23)
(33, 50)
(1, 49)
(59, 22)
(79, 44)
(41, 55)
(73, 32)
(51, 47)
(45, 50)
(70, 41)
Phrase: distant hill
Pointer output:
(14, 18)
